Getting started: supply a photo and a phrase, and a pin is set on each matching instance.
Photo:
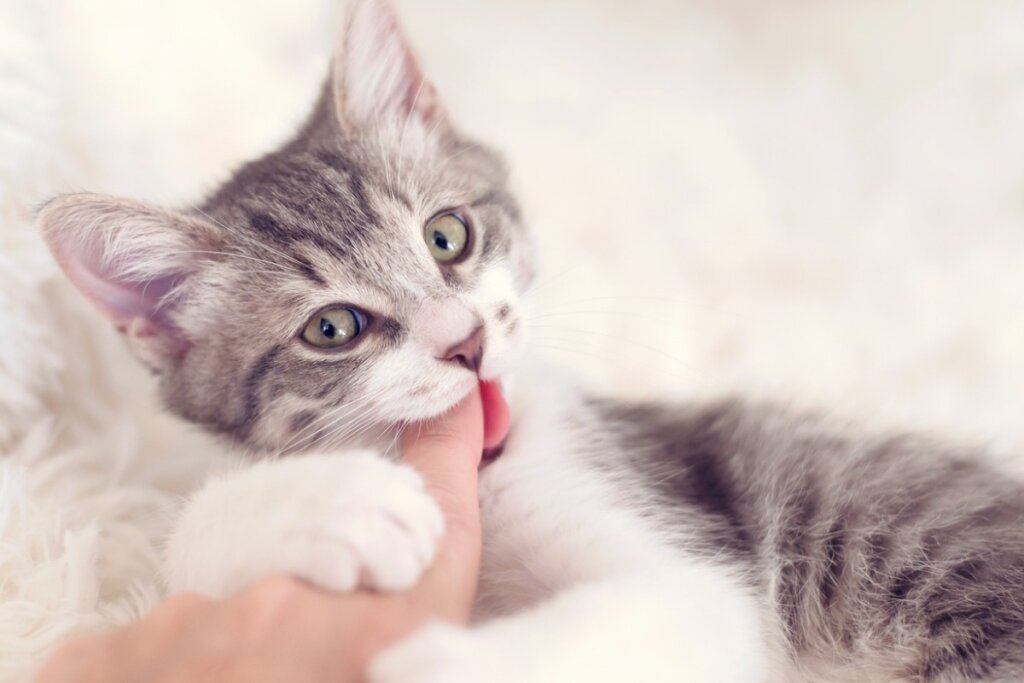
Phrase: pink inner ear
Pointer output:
(377, 45)
(128, 259)
(120, 299)
(411, 86)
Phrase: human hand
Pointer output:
(284, 630)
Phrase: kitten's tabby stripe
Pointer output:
(266, 225)
(298, 422)
(306, 268)
(835, 557)
(258, 374)
(336, 161)
(321, 198)
(292, 235)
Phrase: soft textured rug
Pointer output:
(821, 202)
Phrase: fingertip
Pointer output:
(446, 452)
(460, 427)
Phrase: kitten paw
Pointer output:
(382, 536)
(339, 521)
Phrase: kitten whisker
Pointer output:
(274, 273)
(392, 447)
(238, 232)
(316, 429)
(566, 345)
(338, 419)
(623, 297)
(627, 340)
(332, 414)
(572, 349)
(347, 433)
(350, 431)
(277, 266)
(603, 313)
(547, 280)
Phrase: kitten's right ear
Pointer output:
(375, 77)
(133, 261)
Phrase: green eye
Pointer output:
(333, 327)
(447, 237)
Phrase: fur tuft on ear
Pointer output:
(133, 261)
(375, 75)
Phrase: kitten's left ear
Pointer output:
(135, 262)
(375, 76)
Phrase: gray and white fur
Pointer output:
(623, 541)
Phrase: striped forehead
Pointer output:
(350, 219)
(332, 223)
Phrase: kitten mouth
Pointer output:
(497, 419)
(491, 454)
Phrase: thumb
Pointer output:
(446, 452)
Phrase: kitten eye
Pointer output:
(447, 237)
(334, 327)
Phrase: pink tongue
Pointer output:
(496, 416)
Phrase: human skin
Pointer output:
(281, 629)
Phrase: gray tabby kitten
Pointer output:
(369, 274)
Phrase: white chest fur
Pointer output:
(551, 519)
(583, 577)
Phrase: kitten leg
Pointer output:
(339, 521)
(699, 627)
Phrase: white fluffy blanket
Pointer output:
(823, 202)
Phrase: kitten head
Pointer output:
(363, 275)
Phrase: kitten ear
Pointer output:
(133, 261)
(375, 74)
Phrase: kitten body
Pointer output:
(723, 542)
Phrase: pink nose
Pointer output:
(469, 351)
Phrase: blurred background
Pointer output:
(816, 201)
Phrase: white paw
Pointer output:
(381, 534)
(340, 521)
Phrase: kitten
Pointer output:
(369, 274)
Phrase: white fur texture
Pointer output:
(608, 595)
(817, 200)
(340, 521)
(689, 621)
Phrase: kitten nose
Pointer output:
(469, 351)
